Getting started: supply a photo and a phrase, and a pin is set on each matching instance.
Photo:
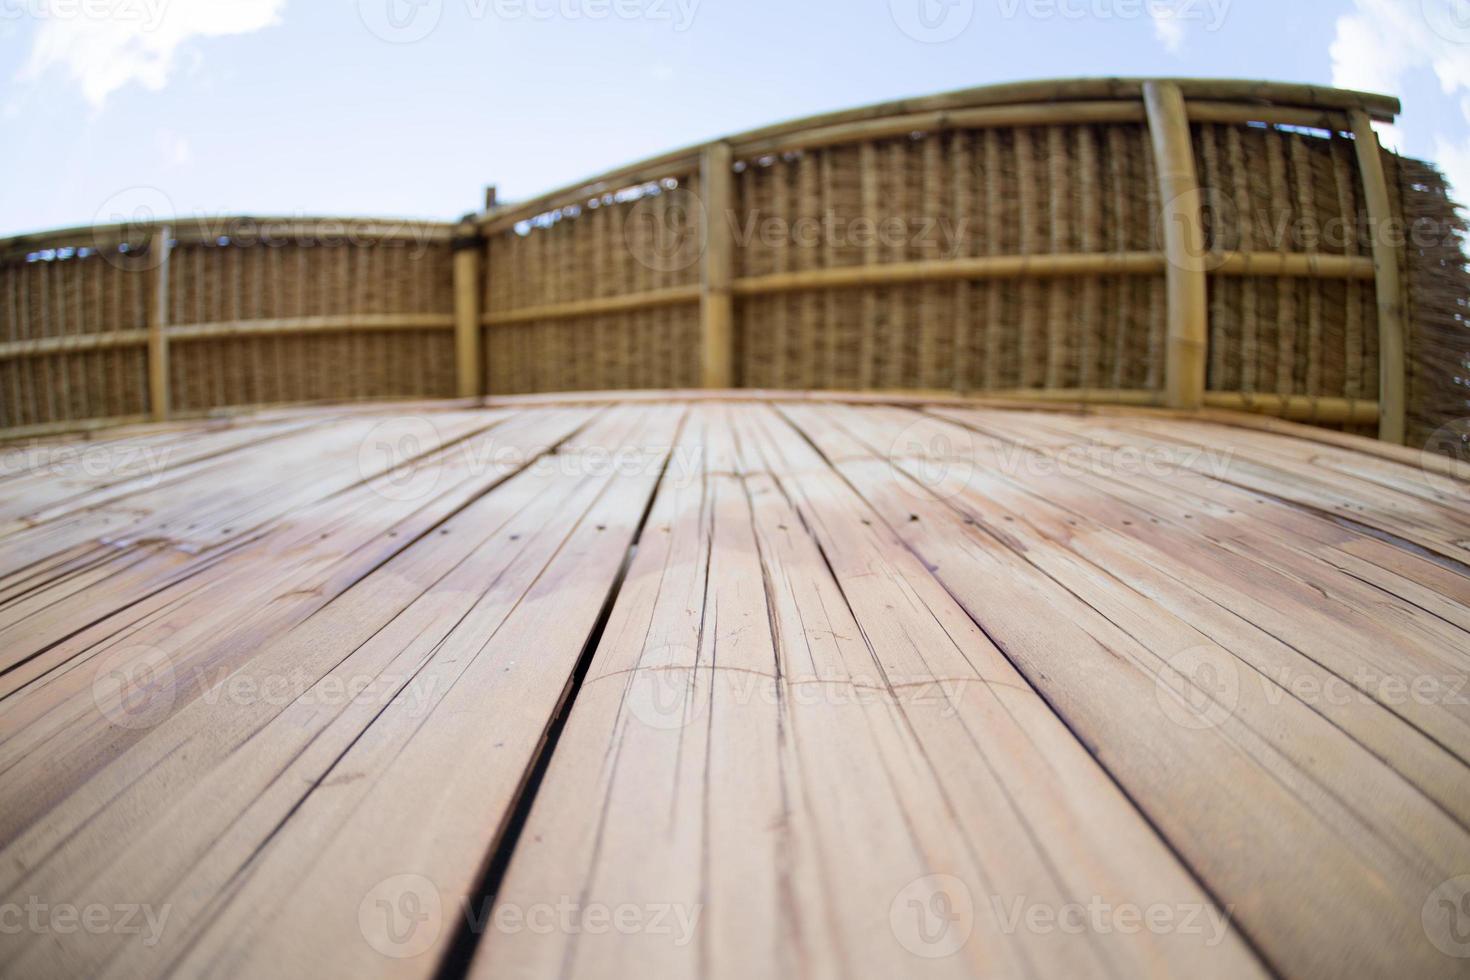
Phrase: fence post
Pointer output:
(1184, 245)
(467, 261)
(1389, 287)
(716, 307)
(158, 374)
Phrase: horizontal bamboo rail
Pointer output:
(1073, 201)
(238, 328)
(353, 322)
(42, 346)
(1263, 264)
(269, 231)
(1056, 114)
(597, 307)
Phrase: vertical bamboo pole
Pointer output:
(1184, 245)
(158, 378)
(1391, 371)
(716, 308)
(467, 261)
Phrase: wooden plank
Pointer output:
(870, 666)
(441, 581)
(1392, 371)
(214, 615)
(1019, 661)
(488, 710)
(1081, 660)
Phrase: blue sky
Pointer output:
(409, 107)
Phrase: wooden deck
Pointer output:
(672, 687)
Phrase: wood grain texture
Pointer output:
(727, 685)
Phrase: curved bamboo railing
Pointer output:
(1169, 242)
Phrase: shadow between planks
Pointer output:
(697, 687)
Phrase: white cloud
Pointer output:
(107, 44)
(1168, 26)
(1384, 40)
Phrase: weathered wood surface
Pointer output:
(726, 685)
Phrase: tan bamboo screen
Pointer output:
(935, 198)
(552, 298)
(239, 312)
(1170, 242)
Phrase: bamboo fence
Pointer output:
(1172, 242)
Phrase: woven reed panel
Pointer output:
(635, 240)
(657, 348)
(69, 293)
(1438, 342)
(1286, 190)
(67, 387)
(221, 284)
(950, 195)
(1293, 337)
(337, 366)
(214, 284)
